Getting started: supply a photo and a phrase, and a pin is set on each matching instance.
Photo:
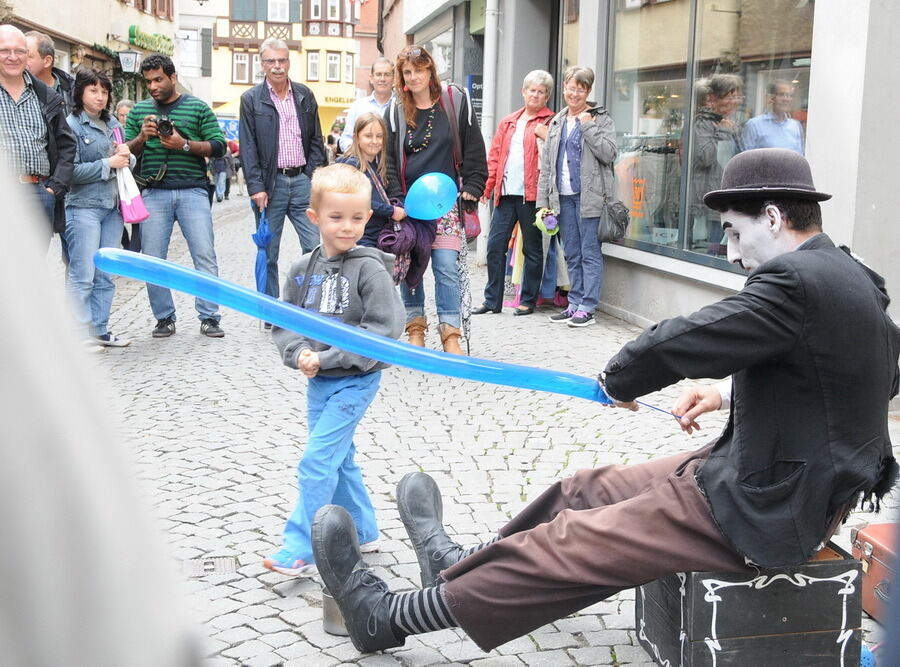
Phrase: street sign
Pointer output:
(474, 82)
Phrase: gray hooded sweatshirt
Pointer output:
(355, 287)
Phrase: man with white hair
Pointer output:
(281, 146)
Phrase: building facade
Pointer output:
(688, 82)
(92, 34)
(320, 35)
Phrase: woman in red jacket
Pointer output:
(512, 182)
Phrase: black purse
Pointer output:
(614, 219)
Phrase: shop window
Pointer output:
(312, 65)
(190, 52)
(240, 68)
(333, 67)
(441, 49)
(682, 113)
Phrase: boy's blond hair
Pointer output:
(338, 178)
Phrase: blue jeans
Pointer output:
(221, 178)
(91, 290)
(512, 210)
(548, 281)
(583, 256)
(191, 208)
(290, 198)
(327, 473)
(446, 290)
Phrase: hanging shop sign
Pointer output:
(151, 41)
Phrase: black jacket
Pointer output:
(473, 171)
(60, 148)
(66, 87)
(813, 358)
(259, 135)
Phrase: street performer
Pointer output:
(812, 356)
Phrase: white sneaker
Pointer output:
(108, 340)
(370, 547)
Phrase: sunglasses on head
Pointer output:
(411, 52)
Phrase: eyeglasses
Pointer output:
(16, 53)
(576, 91)
(275, 61)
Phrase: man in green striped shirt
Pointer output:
(174, 164)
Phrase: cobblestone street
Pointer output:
(218, 425)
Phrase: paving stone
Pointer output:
(630, 654)
(419, 657)
(555, 658)
(552, 640)
(234, 636)
(594, 655)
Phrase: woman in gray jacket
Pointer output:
(576, 177)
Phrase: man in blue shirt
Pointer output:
(776, 128)
(381, 78)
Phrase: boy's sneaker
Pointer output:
(581, 318)
(564, 316)
(108, 340)
(292, 567)
(164, 328)
(370, 547)
(210, 327)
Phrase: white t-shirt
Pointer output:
(565, 182)
(514, 173)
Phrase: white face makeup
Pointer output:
(753, 240)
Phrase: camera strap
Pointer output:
(149, 182)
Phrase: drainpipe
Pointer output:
(488, 109)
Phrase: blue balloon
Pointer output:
(431, 196)
(332, 332)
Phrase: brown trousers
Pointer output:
(584, 539)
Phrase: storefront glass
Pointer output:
(692, 83)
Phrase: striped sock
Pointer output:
(479, 547)
(420, 611)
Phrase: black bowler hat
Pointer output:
(765, 172)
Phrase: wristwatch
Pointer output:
(187, 146)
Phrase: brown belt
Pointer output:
(29, 178)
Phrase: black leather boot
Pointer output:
(422, 513)
(360, 595)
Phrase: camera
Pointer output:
(165, 126)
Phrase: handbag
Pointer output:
(471, 222)
(130, 201)
(614, 219)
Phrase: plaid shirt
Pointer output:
(23, 133)
(290, 143)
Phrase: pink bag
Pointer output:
(472, 223)
(130, 200)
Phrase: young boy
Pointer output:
(342, 280)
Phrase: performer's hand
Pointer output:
(308, 362)
(693, 402)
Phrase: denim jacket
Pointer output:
(94, 182)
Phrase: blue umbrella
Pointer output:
(261, 238)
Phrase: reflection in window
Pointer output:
(682, 116)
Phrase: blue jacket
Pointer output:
(259, 135)
(94, 182)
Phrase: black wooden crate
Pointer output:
(807, 615)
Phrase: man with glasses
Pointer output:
(36, 144)
(381, 78)
(775, 128)
(281, 146)
(175, 133)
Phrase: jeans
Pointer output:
(327, 473)
(221, 179)
(47, 203)
(513, 209)
(583, 256)
(290, 198)
(548, 281)
(446, 290)
(91, 290)
(191, 208)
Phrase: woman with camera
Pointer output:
(576, 180)
(93, 219)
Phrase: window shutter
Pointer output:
(206, 52)
(262, 10)
(243, 10)
(295, 11)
